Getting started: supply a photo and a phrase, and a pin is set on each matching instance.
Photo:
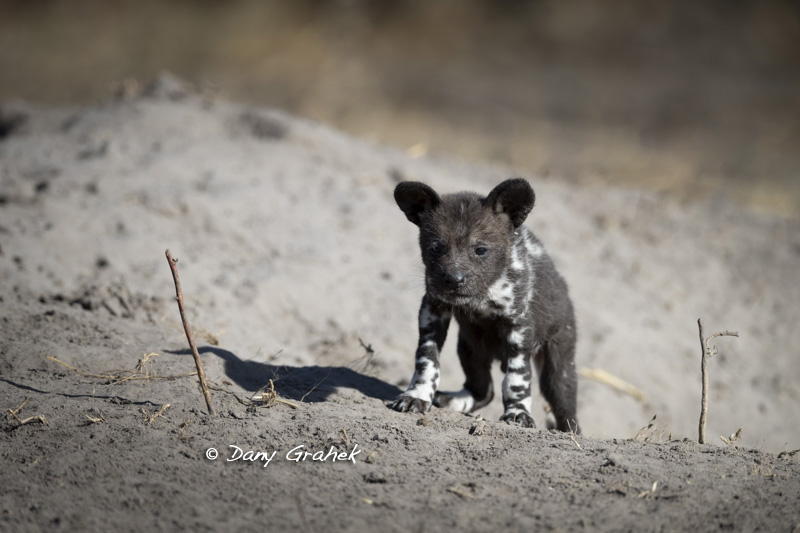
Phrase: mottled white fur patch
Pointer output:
(462, 401)
(516, 363)
(501, 293)
(516, 262)
(529, 294)
(516, 337)
(534, 248)
(512, 379)
(424, 384)
(526, 401)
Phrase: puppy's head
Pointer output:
(465, 239)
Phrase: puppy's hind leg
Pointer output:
(558, 380)
(477, 391)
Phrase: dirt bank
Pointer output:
(292, 253)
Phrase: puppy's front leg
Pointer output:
(433, 323)
(517, 383)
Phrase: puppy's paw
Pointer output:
(410, 404)
(519, 418)
(442, 399)
(461, 401)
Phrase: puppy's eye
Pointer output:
(481, 251)
(437, 248)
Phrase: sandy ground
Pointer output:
(293, 259)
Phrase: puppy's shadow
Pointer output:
(307, 383)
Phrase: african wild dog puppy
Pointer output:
(491, 273)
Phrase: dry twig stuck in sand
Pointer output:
(707, 352)
(572, 435)
(179, 297)
(611, 380)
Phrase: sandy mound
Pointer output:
(292, 253)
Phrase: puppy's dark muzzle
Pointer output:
(454, 279)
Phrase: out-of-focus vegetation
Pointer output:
(693, 98)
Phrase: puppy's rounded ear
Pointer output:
(513, 197)
(415, 199)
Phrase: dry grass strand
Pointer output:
(572, 435)
(601, 376)
(459, 492)
(96, 419)
(149, 419)
(114, 377)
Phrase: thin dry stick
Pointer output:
(179, 296)
(707, 352)
(18, 409)
(315, 386)
(243, 401)
(572, 435)
(152, 418)
(36, 418)
(465, 495)
(96, 419)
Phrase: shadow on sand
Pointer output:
(306, 383)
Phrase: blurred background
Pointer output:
(695, 99)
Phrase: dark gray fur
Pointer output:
(483, 267)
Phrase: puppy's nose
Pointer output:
(454, 279)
